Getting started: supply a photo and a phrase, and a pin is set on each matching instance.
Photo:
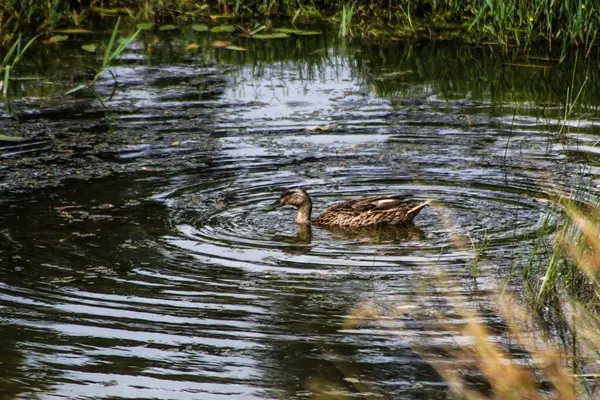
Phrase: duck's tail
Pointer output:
(412, 213)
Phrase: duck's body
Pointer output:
(387, 210)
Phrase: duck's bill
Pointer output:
(274, 206)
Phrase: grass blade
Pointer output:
(6, 75)
(122, 47)
(76, 89)
(111, 42)
(21, 52)
(11, 51)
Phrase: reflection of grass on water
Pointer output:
(454, 71)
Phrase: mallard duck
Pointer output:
(385, 210)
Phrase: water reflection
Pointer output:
(170, 281)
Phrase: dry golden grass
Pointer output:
(543, 369)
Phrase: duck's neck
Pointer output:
(304, 211)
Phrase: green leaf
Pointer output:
(58, 38)
(122, 45)
(307, 33)
(6, 138)
(76, 89)
(228, 28)
(266, 36)
(145, 26)
(12, 49)
(296, 31)
(200, 27)
(108, 11)
(111, 42)
(5, 81)
(72, 30)
(235, 48)
(168, 27)
(286, 30)
(89, 47)
(25, 48)
(260, 28)
(223, 28)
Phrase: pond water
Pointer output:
(164, 277)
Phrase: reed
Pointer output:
(566, 24)
(346, 18)
(10, 61)
(110, 55)
(523, 359)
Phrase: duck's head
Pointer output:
(296, 197)
(293, 197)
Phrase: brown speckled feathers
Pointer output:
(388, 209)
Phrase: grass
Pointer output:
(110, 55)
(346, 19)
(567, 24)
(519, 357)
(543, 338)
(10, 61)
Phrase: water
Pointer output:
(165, 278)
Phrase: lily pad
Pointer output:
(89, 47)
(72, 30)
(266, 36)
(296, 31)
(145, 26)
(6, 138)
(223, 28)
(168, 27)
(192, 46)
(307, 33)
(58, 38)
(228, 28)
(200, 27)
(220, 43)
(236, 48)
(286, 30)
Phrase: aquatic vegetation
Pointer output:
(570, 23)
(346, 18)
(212, 134)
(519, 357)
(109, 58)
(10, 61)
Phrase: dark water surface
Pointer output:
(166, 279)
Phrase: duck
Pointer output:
(390, 209)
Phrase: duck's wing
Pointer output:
(382, 203)
(386, 202)
(388, 209)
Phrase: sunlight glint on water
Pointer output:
(176, 284)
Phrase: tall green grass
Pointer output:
(346, 18)
(10, 61)
(564, 23)
(569, 22)
(110, 55)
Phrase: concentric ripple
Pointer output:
(177, 283)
